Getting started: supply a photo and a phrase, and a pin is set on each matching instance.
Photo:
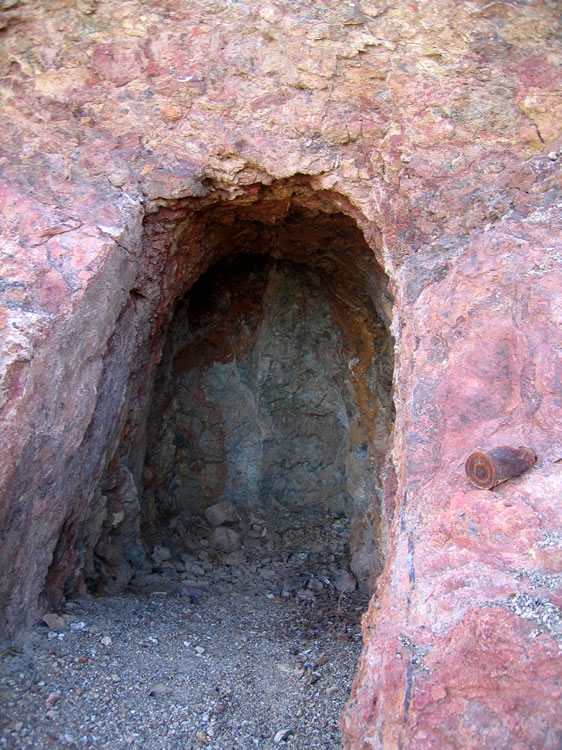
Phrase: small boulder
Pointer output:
(221, 513)
(54, 621)
(344, 581)
(160, 554)
(225, 539)
(236, 558)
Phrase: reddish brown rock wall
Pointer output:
(435, 127)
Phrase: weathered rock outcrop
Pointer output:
(144, 142)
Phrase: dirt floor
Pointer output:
(252, 649)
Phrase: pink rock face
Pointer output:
(475, 574)
(137, 139)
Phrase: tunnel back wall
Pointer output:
(254, 400)
(255, 412)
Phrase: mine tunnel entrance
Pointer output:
(268, 408)
(272, 407)
(237, 529)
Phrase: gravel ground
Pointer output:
(256, 648)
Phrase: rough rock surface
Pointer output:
(255, 398)
(141, 143)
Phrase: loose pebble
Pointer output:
(281, 735)
(54, 621)
(52, 698)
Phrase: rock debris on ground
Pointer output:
(251, 648)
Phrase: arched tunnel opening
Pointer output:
(271, 410)
(271, 406)
(250, 468)
(268, 417)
